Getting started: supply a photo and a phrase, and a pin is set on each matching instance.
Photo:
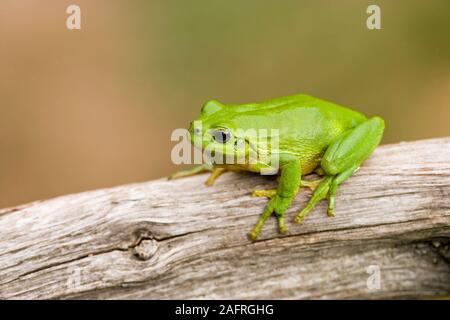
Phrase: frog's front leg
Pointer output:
(191, 171)
(288, 186)
(215, 173)
(342, 158)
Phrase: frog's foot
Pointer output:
(217, 172)
(276, 205)
(319, 194)
(326, 189)
(269, 193)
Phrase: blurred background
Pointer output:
(90, 108)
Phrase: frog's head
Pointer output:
(216, 133)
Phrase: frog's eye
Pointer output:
(221, 136)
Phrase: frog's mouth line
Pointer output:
(251, 154)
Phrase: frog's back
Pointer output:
(302, 104)
(298, 116)
(307, 125)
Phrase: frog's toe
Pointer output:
(276, 205)
(319, 194)
(330, 209)
(281, 224)
(330, 213)
(269, 193)
(302, 214)
(254, 233)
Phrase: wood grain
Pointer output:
(178, 239)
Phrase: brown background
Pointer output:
(94, 108)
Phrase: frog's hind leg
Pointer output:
(342, 159)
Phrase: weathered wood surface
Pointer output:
(179, 239)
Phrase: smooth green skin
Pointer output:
(315, 135)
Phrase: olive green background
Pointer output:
(94, 108)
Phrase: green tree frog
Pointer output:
(313, 136)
